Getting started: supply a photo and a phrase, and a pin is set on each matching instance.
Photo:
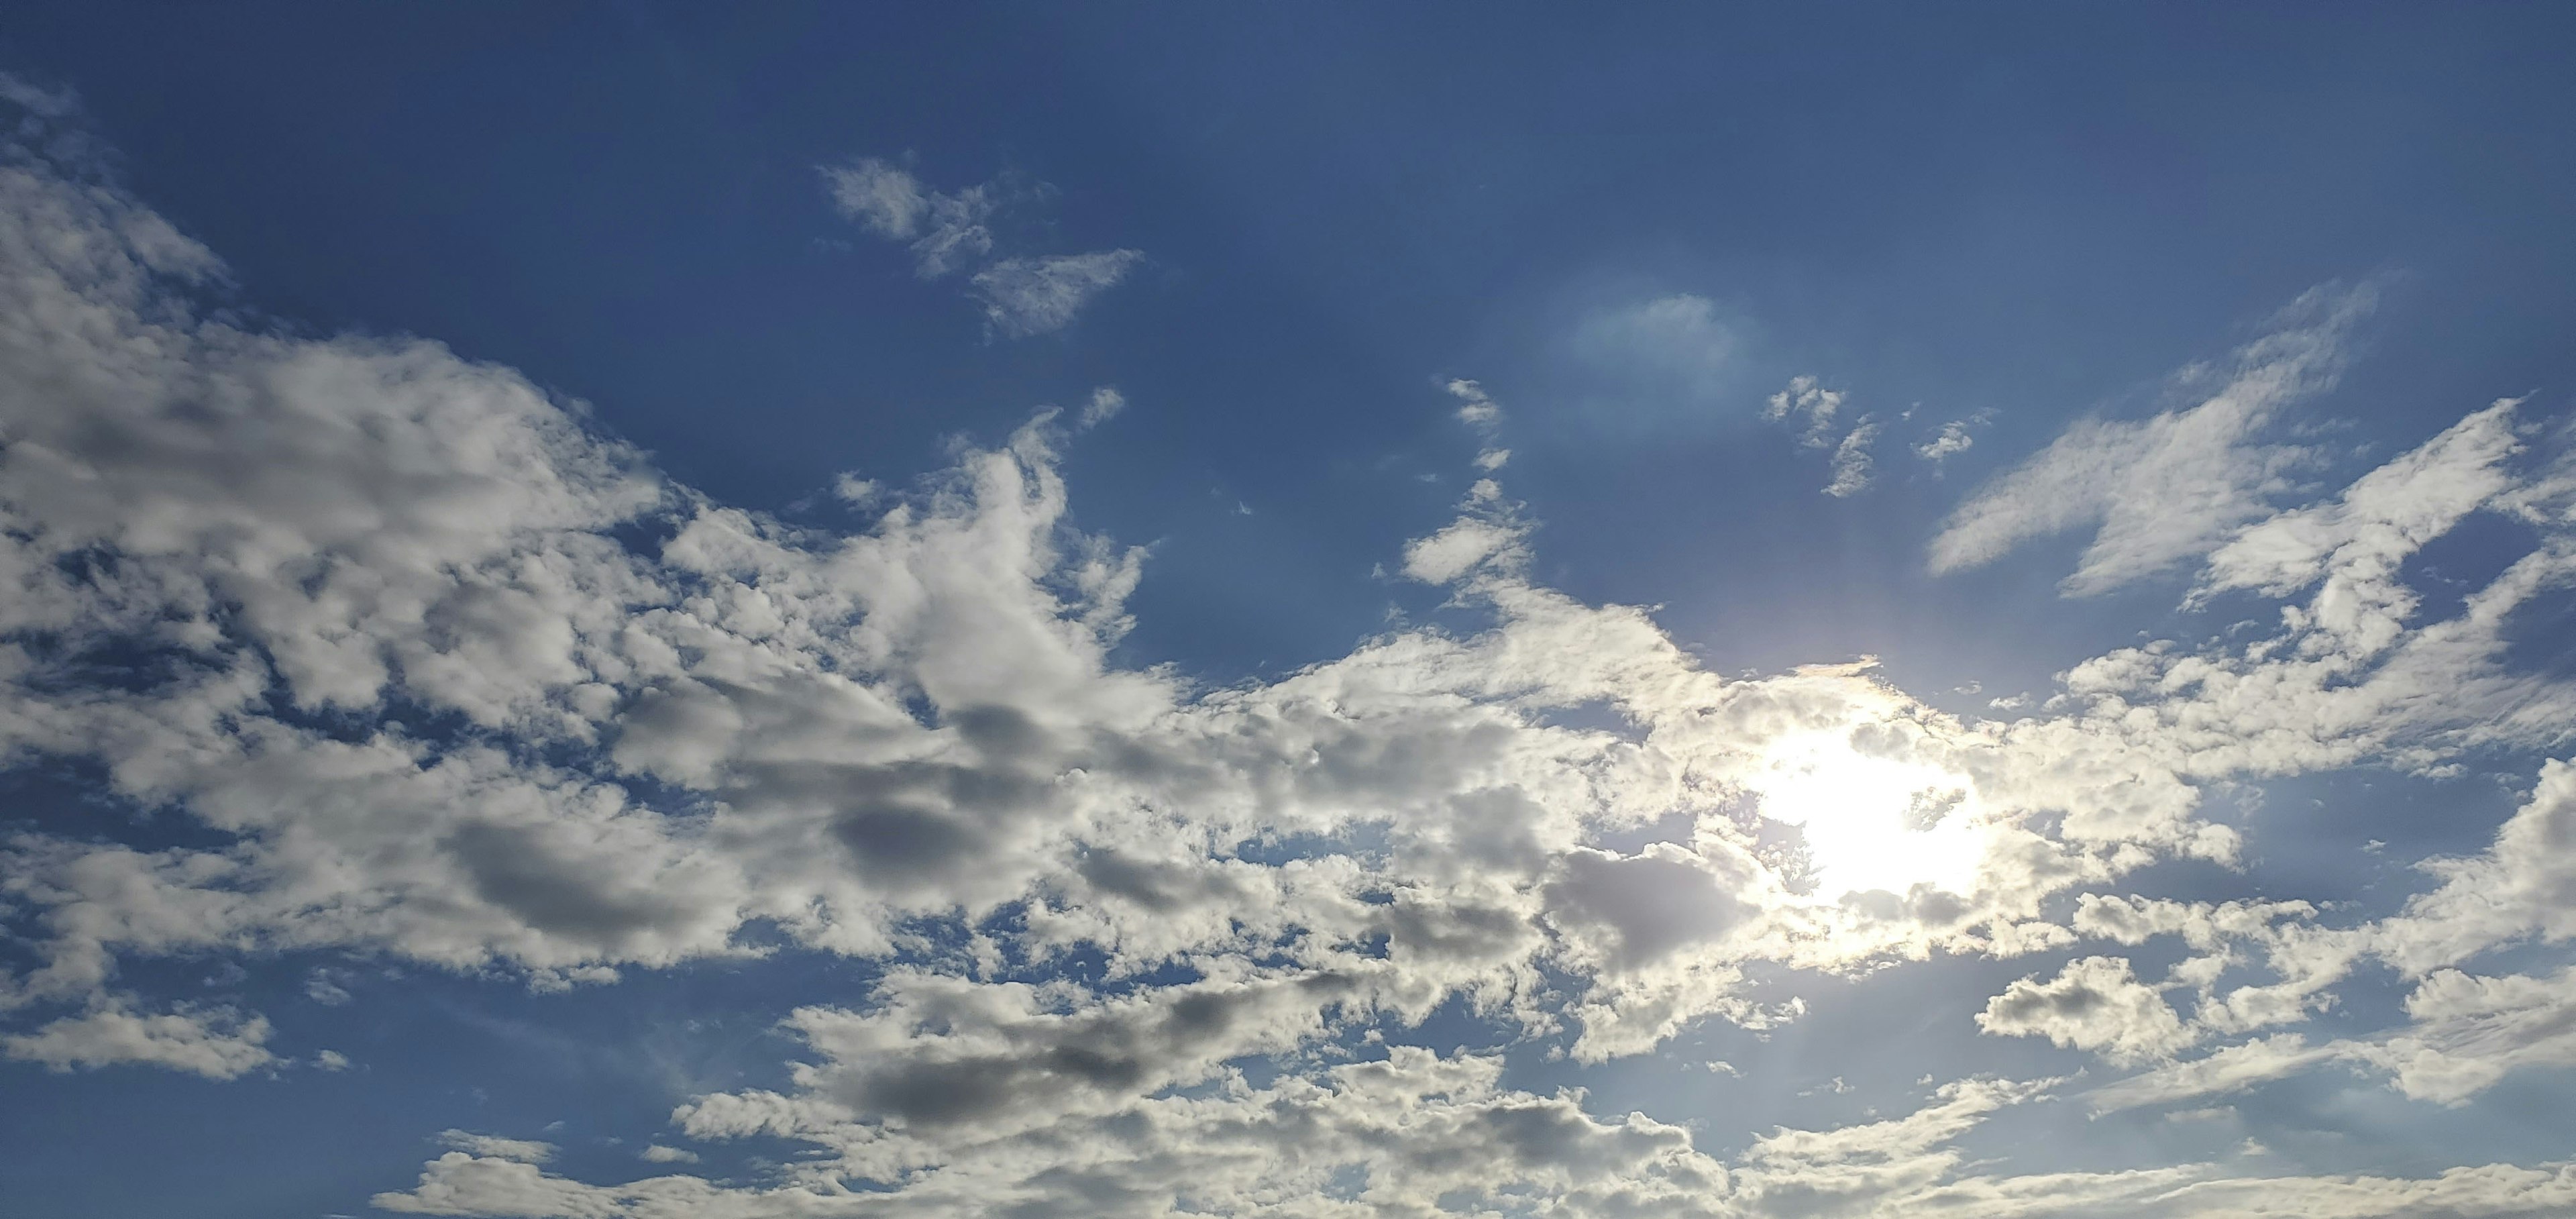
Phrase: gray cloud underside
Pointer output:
(289, 551)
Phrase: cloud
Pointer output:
(523, 1151)
(1951, 440)
(952, 232)
(217, 1043)
(1485, 416)
(1852, 464)
(439, 676)
(657, 1153)
(1670, 345)
(2093, 1004)
(2232, 1069)
(947, 232)
(2165, 490)
(1104, 405)
(1026, 296)
(1416, 1133)
(1807, 406)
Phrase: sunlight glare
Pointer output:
(1872, 822)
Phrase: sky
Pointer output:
(640, 610)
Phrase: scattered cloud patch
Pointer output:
(1852, 463)
(1952, 438)
(494, 1147)
(952, 232)
(1810, 410)
(1028, 296)
(1485, 416)
(1103, 405)
(1808, 407)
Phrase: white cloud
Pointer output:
(1852, 464)
(1807, 406)
(1475, 408)
(1483, 414)
(321, 988)
(2165, 490)
(1103, 406)
(947, 231)
(1950, 441)
(217, 1043)
(2093, 1004)
(657, 1153)
(952, 232)
(1417, 1134)
(523, 1151)
(1026, 296)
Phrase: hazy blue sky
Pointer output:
(639, 610)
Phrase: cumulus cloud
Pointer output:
(2093, 1004)
(2162, 491)
(217, 1043)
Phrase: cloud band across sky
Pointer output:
(442, 675)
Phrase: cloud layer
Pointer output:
(447, 678)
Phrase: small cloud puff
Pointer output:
(1952, 440)
(1808, 405)
(1479, 411)
(1027, 296)
(1104, 406)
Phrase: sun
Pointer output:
(1872, 822)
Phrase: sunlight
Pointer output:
(1871, 822)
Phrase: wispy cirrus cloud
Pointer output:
(1810, 409)
(952, 232)
(2162, 491)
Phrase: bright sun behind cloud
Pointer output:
(1872, 822)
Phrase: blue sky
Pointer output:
(637, 610)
